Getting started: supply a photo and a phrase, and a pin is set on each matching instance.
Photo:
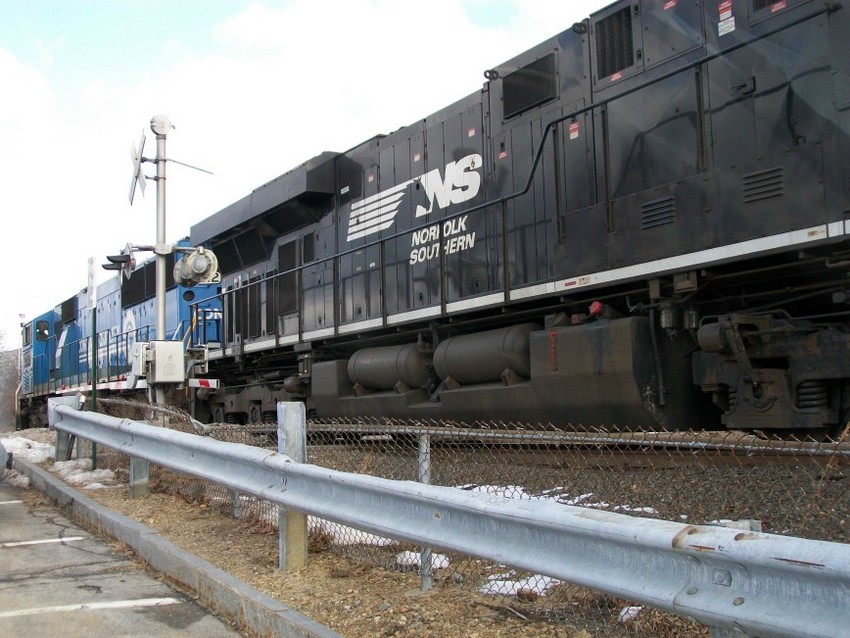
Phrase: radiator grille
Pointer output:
(529, 86)
(614, 43)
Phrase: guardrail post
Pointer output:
(63, 439)
(139, 477)
(63, 446)
(292, 525)
(424, 476)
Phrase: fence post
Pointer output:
(292, 525)
(235, 504)
(424, 476)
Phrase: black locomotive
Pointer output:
(640, 222)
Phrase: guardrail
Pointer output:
(736, 582)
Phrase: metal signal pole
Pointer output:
(91, 289)
(167, 358)
(160, 125)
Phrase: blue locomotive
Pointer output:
(57, 346)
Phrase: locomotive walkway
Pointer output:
(58, 578)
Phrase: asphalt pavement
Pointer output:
(57, 579)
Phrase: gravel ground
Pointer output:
(359, 599)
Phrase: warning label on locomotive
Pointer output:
(425, 244)
(727, 20)
(727, 26)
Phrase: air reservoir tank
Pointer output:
(482, 357)
(383, 368)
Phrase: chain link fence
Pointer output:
(791, 487)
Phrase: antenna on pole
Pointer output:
(197, 168)
(137, 158)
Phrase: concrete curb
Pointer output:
(249, 609)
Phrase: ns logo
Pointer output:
(459, 182)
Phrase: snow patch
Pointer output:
(79, 472)
(345, 535)
(555, 495)
(628, 614)
(98, 486)
(413, 559)
(537, 583)
(16, 479)
(29, 450)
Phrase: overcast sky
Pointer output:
(252, 88)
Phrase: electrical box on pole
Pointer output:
(165, 362)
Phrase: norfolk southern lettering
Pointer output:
(460, 181)
(425, 244)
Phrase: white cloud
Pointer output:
(26, 107)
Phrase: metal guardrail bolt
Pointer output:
(722, 577)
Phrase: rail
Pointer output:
(746, 583)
